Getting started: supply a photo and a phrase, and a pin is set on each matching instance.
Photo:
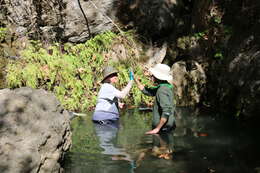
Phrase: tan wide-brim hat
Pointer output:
(161, 72)
(108, 71)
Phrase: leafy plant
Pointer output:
(72, 72)
(217, 19)
(219, 55)
(199, 35)
(3, 32)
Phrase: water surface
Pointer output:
(200, 144)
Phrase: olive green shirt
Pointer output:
(163, 103)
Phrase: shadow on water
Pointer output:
(201, 143)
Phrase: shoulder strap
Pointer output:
(109, 100)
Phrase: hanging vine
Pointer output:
(85, 17)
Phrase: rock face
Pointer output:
(234, 82)
(238, 81)
(153, 19)
(63, 20)
(58, 19)
(190, 81)
(34, 131)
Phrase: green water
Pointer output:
(200, 144)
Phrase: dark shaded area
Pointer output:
(3, 168)
(237, 74)
(153, 20)
(2, 11)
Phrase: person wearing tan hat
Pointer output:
(107, 107)
(163, 108)
(106, 114)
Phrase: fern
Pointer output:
(73, 74)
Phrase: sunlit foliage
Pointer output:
(73, 72)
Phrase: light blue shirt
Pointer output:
(106, 107)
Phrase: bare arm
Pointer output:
(158, 127)
(122, 94)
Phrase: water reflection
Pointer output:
(107, 134)
(162, 148)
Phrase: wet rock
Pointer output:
(34, 131)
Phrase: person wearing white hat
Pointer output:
(163, 108)
(107, 107)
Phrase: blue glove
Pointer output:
(131, 75)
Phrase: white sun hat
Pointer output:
(162, 72)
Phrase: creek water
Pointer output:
(201, 143)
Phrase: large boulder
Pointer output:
(34, 131)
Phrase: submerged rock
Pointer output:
(34, 131)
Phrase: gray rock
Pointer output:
(34, 131)
(57, 19)
(190, 81)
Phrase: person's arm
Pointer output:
(123, 93)
(163, 120)
(145, 90)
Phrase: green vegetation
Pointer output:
(219, 55)
(200, 35)
(3, 32)
(73, 72)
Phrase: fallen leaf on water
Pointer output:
(165, 156)
(203, 134)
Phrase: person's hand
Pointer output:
(136, 79)
(154, 131)
(121, 105)
(139, 85)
